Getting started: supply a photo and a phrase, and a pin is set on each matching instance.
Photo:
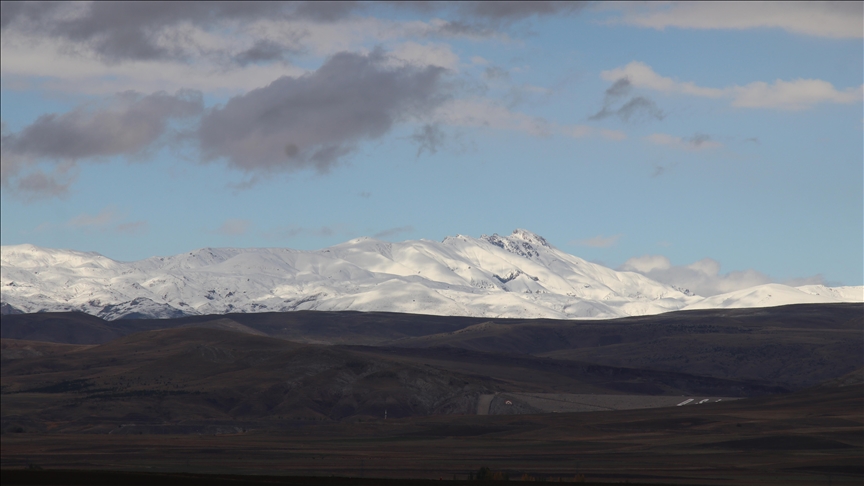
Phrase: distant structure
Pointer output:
(385, 414)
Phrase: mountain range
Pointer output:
(515, 276)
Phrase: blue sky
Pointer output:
(713, 141)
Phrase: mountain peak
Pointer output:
(520, 242)
(530, 237)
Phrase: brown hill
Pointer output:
(177, 377)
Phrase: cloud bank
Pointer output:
(127, 124)
(315, 119)
(798, 94)
(702, 277)
(836, 20)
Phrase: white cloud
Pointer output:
(797, 94)
(837, 20)
(598, 241)
(642, 76)
(694, 143)
(793, 95)
(702, 277)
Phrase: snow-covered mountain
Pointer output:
(520, 275)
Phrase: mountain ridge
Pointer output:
(520, 275)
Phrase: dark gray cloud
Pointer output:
(461, 28)
(634, 109)
(39, 185)
(429, 138)
(120, 31)
(315, 119)
(262, 51)
(129, 125)
(698, 139)
(487, 18)
(515, 11)
(124, 31)
(639, 107)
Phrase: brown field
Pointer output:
(212, 397)
(805, 438)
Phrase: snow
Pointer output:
(520, 275)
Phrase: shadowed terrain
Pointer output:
(288, 394)
(809, 437)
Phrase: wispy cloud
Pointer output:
(108, 219)
(233, 227)
(797, 94)
(838, 20)
(100, 220)
(133, 228)
(486, 113)
(698, 141)
(598, 241)
(635, 108)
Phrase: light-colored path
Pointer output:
(483, 404)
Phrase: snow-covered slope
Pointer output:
(520, 275)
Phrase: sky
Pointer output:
(710, 145)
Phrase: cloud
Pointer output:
(133, 228)
(233, 227)
(84, 220)
(485, 113)
(660, 170)
(128, 124)
(598, 241)
(108, 219)
(263, 50)
(636, 107)
(793, 95)
(702, 277)
(495, 72)
(506, 12)
(425, 55)
(315, 119)
(641, 75)
(798, 94)
(838, 20)
(429, 138)
(393, 232)
(37, 184)
(120, 31)
(698, 141)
